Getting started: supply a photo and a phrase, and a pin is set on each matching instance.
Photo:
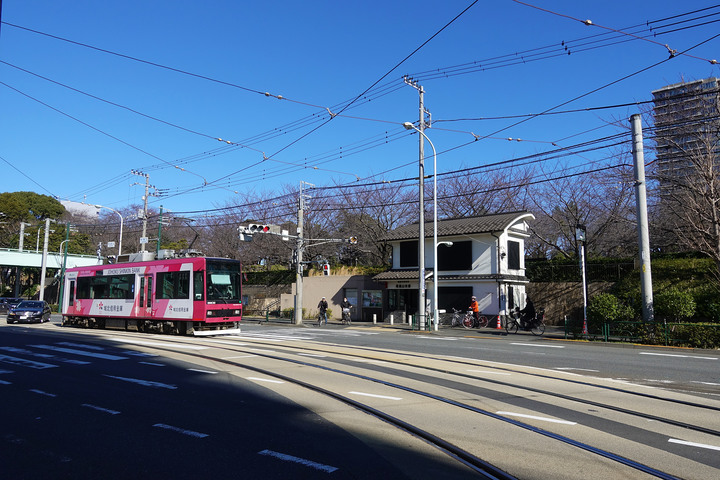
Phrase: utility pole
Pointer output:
(300, 245)
(421, 186)
(642, 220)
(18, 270)
(43, 269)
(145, 205)
(157, 249)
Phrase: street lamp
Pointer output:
(581, 237)
(436, 280)
(410, 126)
(121, 225)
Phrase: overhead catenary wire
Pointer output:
(277, 171)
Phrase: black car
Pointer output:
(9, 303)
(29, 311)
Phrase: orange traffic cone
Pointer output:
(498, 327)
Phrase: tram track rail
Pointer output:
(482, 467)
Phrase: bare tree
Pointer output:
(689, 191)
(600, 199)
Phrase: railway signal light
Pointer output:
(326, 269)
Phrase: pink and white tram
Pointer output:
(176, 295)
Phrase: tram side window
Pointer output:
(71, 300)
(173, 285)
(102, 287)
(198, 285)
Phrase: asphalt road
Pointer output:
(77, 404)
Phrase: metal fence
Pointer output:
(545, 271)
(693, 335)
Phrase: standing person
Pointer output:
(346, 306)
(475, 308)
(323, 306)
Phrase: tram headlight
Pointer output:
(210, 313)
(236, 312)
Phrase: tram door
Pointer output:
(145, 302)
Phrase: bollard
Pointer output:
(391, 319)
(374, 318)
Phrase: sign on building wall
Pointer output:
(372, 298)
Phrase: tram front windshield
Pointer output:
(223, 282)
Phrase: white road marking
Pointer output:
(268, 380)
(489, 371)
(693, 444)
(261, 350)
(537, 345)
(580, 369)
(533, 417)
(81, 345)
(44, 356)
(301, 461)
(701, 383)
(3, 382)
(678, 356)
(375, 396)
(43, 393)
(153, 364)
(371, 360)
(227, 342)
(145, 383)
(100, 409)
(25, 363)
(450, 339)
(159, 344)
(73, 351)
(239, 356)
(181, 430)
(134, 353)
(204, 371)
(316, 355)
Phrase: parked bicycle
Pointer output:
(457, 318)
(471, 322)
(536, 326)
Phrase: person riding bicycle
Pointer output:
(323, 306)
(527, 314)
(475, 308)
(346, 306)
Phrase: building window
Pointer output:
(408, 254)
(458, 256)
(513, 255)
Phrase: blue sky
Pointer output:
(74, 120)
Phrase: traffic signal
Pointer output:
(256, 228)
(326, 269)
(352, 240)
(243, 234)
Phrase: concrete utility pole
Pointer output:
(642, 220)
(421, 187)
(300, 245)
(43, 270)
(299, 259)
(145, 205)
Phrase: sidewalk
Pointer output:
(551, 331)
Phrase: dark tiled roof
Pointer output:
(461, 226)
